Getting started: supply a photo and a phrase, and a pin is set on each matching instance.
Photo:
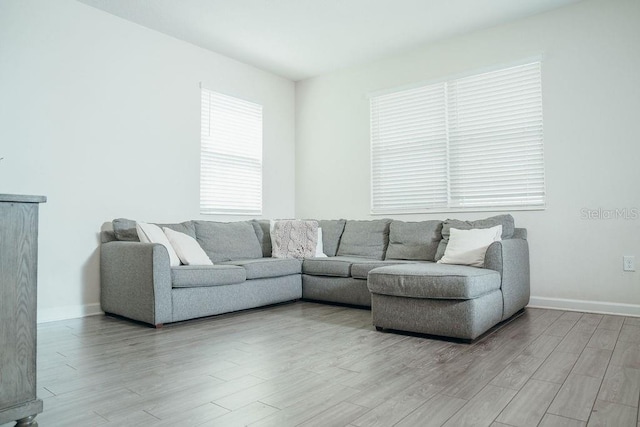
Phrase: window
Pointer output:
(230, 155)
(470, 143)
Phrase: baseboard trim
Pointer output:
(586, 306)
(68, 312)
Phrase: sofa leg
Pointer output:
(158, 326)
(27, 422)
(379, 328)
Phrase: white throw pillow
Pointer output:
(319, 246)
(151, 233)
(468, 247)
(188, 249)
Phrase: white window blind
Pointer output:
(230, 155)
(468, 143)
(409, 150)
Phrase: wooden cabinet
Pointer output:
(18, 286)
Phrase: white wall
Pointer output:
(102, 116)
(591, 92)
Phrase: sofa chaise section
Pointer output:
(452, 300)
(455, 301)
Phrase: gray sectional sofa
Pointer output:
(387, 265)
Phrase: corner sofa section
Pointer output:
(368, 263)
(364, 246)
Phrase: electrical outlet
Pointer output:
(629, 263)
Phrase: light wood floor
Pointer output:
(320, 365)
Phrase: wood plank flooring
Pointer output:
(311, 364)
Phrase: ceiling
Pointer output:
(298, 39)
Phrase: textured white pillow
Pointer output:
(468, 247)
(294, 238)
(319, 246)
(188, 249)
(151, 233)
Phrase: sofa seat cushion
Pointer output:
(191, 276)
(337, 266)
(360, 270)
(263, 268)
(432, 280)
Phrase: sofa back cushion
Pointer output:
(519, 233)
(263, 233)
(507, 222)
(332, 230)
(125, 229)
(367, 239)
(228, 241)
(414, 240)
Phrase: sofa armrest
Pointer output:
(135, 281)
(510, 258)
